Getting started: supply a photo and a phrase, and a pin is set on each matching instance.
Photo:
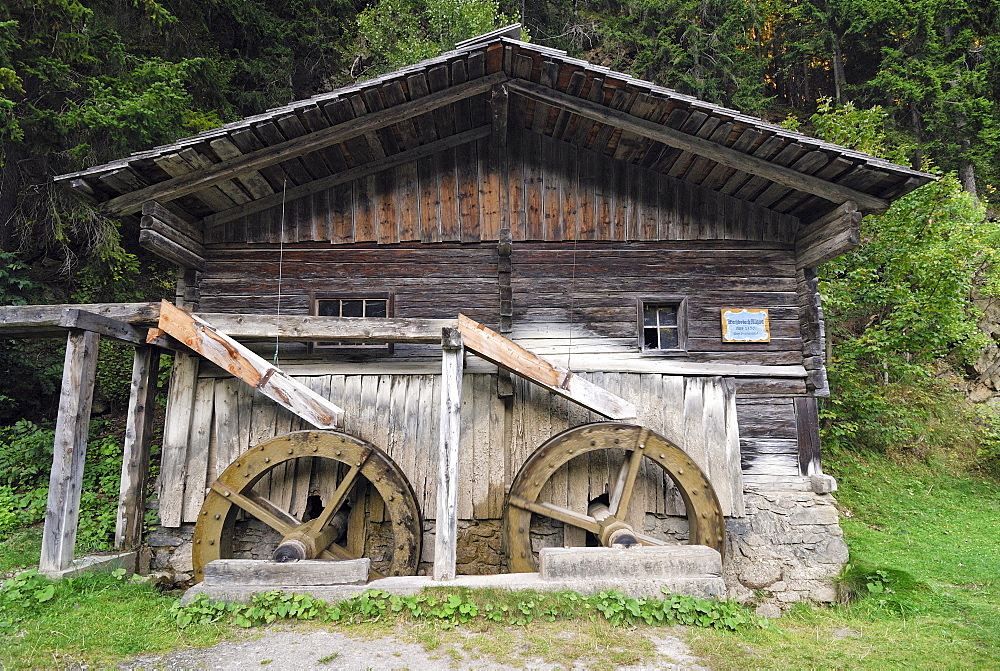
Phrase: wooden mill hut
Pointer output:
(619, 253)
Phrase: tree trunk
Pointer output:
(967, 174)
(838, 68)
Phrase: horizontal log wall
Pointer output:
(583, 298)
(398, 412)
(557, 191)
(768, 436)
(592, 286)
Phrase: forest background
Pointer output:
(85, 81)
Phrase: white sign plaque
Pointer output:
(745, 325)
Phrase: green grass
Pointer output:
(935, 537)
(94, 619)
(20, 550)
(97, 620)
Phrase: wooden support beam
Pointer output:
(351, 329)
(225, 170)
(161, 213)
(170, 250)
(73, 318)
(135, 459)
(41, 321)
(498, 350)
(828, 237)
(349, 175)
(700, 146)
(62, 511)
(446, 522)
(833, 234)
(269, 380)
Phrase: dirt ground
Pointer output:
(315, 649)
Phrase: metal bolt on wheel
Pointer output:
(607, 521)
(365, 464)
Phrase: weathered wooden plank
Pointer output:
(466, 452)
(409, 210)
(468, 192)
(499, 444)
(230, 434)
(447, 176)
(135, 456)
(808, 440)
(62, 509)
(495, 348)
(430, 200)
(82, 320)
(446, 527)
(252, 369)
(196, 476)
(176, 428)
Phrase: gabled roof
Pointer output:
(291, 151)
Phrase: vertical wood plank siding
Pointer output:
(397, 413)
(552, 185)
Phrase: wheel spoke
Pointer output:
(259, 507)
(340, 495)
(649, 540)
(622, 494)
(564, 515)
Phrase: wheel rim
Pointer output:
(233, 491)
(704, 514)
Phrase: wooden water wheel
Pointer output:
(605, 519)
(360, 464)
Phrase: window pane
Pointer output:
(375, 307)
(352, 308)
(328, 308)
(650, 340)
(668, 315)
(648, 315)
(668, 338)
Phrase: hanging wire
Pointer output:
(572, 305)
(281, 258)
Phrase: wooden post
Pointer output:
(62, 512)
(446, 528)
(135, 460)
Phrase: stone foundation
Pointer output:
(788, 548)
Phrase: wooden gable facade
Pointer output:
(542, 196)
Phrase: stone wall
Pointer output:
(788, 548)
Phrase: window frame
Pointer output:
(681, 303)
(319, 347)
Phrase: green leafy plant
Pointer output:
(449, 610)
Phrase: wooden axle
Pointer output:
(613, 530)
(310, 539)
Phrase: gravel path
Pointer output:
(315, 649)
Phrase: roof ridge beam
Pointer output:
(702, 147)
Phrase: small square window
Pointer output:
(663, 325)
(333, 305)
